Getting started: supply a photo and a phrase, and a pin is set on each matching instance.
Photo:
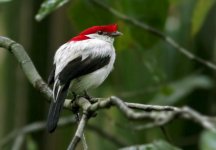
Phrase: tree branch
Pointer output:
(157, 115)
(18, 142)
(155, 32)
(34, 127)
(79, 132)
(27, 66)
(64, 121)
(115, 140)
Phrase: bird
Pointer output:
(82, 63)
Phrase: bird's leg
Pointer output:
(91, 99)
(87, 96)
(75, 96)
(75, 108)
(77, 117)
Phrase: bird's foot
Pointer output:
(75, 108)
(91, 99)
(87, 96)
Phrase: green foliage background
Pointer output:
(147, 70)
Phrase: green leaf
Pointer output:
(207, 140)
(49, 6)
(3, 1)
(174, 2)
(157, 145)
(31, 144)
(200, 12)
(176, 91)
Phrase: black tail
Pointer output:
(55, 109)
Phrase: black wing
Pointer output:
(79, 67)
(74, 69)
(51, 76)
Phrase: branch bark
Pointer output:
(27, 65)
(79, 132)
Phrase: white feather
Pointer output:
(59, 87)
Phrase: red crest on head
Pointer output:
(106, 28)
(95, 29)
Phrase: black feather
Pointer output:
(79, 67)
(51, 76)
(55, 109)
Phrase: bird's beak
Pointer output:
(117, 33)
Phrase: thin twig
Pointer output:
(157, 115)
(147, 107)
(117, 141)
(155, 32)
(166, 115)
(79, 132)
(84, 142)
(18, 142)
(79, 135)
(64, 121)
(34, 127)
(204, 121)
(83, 139)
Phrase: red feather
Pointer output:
(79, 38)
(95, 29)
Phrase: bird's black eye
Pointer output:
(100, 32)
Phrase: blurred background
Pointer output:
(147, 70)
